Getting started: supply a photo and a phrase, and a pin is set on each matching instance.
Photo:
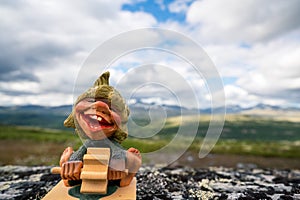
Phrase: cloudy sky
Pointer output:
(254, 45)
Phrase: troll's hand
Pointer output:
(70, 170)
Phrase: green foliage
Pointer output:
(37, 134)
(287, 149)
(46, 120)
(262, 130)
(246, 128)
(144, 145)
(242, 135)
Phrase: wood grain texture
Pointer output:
(94, 171)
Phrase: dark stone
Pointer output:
(283, 180)
(168, 183)
(223, 197)
(286, 197)
(50, 177)
(257, 195)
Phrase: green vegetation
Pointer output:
(45, 119)
(144, 145)
(285, 149)
(261, 130)
(240, 128)
(19, 133)
(34, 146)
(241, 135)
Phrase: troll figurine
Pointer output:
(99, 117)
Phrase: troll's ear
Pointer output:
(69, 122)
(102, 80)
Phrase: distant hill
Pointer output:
(35, 115)
(53, 117)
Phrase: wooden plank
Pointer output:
(91, 186)
(93, 175)
(94, 159)
(96, 168)
(98, 151)
(60, 191)
(124, 193)
(94, 172)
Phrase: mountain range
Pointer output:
(53, 117)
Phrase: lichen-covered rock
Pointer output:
(21, 182)
(217, 183)
(155, 182)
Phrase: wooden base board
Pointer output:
(60, 191)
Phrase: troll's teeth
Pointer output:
(99, 118)
(93, 116)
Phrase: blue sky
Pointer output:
(159, 9)
(254, 45)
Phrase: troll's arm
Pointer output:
(71, 170)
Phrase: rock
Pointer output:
(218, 183)
(156, 182)
(19, 182)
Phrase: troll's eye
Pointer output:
(91, 100)
(115, 108)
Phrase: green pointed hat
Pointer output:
(102, 90)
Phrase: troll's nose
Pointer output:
(100, 106)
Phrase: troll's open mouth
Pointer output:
(96, 122)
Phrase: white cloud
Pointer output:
(268, 69)
(20, 87)
(43, 43)
(276, 68)
(179, 6)
(248, 21)
(161, 4)
(49, 99)
(238, 96)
